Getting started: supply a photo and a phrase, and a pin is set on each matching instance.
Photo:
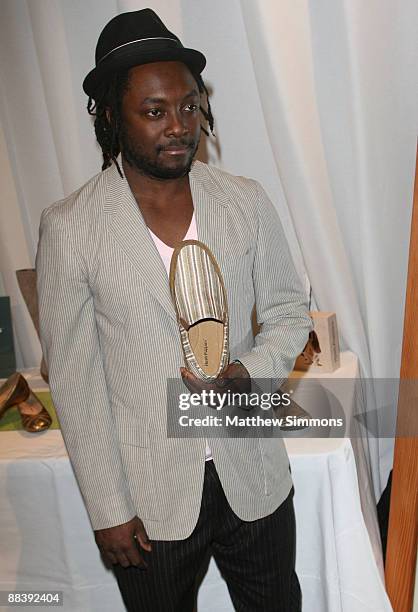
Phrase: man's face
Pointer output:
(160, 127)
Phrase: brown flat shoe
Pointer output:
(13, 391)
(33, 414)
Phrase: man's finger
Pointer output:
(194, 384)
(188, 384)
(110, 557)
(143, 539)
(135, 558)
(190, 378)
(122, 559)
(222, 382)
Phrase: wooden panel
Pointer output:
(403, 524)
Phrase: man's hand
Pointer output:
(121, 544)
(234, 378)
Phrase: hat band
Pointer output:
(131, 42)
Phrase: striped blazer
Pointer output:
(111, 341)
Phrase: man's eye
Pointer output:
(192, 107)
(154, 112)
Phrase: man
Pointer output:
(111, 339)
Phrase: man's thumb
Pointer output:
(142, 537)
(222, 382)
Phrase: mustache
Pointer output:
(177, 143)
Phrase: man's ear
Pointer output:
(108, 114)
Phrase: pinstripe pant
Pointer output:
(256, 559)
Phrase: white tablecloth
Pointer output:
(46, 540)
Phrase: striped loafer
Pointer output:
(199, 297)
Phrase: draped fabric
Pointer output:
(316, 100)
(341, 112)
(47, 148)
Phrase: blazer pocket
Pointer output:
(133, 433)
(237, 268)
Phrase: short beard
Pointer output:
(136, 159)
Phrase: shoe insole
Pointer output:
(206, 339)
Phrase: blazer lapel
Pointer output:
(210, 204)
(130, 231)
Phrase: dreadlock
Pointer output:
(106, 107)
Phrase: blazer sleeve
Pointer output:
(71, 349)
(282, 310)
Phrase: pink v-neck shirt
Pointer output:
(166, 251)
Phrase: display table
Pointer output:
(46, 540)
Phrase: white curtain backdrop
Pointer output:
(314, 99)
(341, 106)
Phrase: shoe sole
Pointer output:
(206, 335)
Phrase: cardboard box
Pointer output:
(324, 358)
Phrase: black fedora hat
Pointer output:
(134, 38)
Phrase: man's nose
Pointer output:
(176, 126)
